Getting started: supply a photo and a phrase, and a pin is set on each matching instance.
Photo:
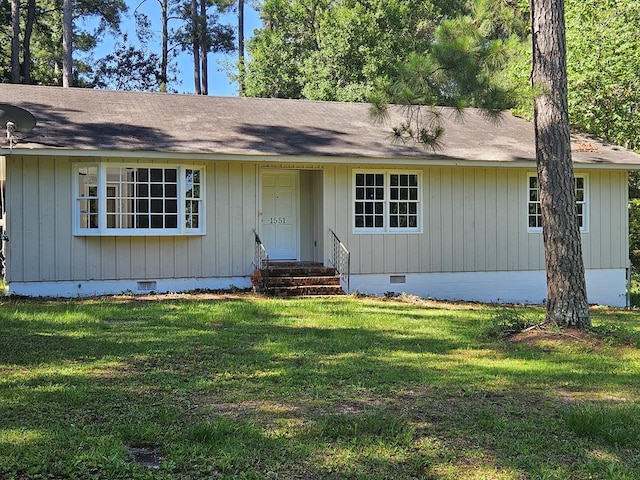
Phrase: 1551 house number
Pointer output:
(277, 220)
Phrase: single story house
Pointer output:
(129, 192)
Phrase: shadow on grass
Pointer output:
(152, 328)
(247, 389)
(426, 434)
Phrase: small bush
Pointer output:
(510, 319)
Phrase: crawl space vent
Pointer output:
(397, 279)
(146, 286)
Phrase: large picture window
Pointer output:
(534, 216)
(138, 200)
(386, 201)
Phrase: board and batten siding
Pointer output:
(475, 220)
(42, 246)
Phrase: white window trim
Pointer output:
(585, 212)
(103, 231)
(387, 230)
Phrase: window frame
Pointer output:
(584, 228)
(386, 228)
(102, 188)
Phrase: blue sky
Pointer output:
(219, 83)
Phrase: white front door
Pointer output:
(280, 214)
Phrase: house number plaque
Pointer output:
(277, 220)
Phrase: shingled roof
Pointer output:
(82, 121)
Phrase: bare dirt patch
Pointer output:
(204, 295)
(425, 302)
(546, 335)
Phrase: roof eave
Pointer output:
(311, 159)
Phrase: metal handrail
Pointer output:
(261, 260)
(340, 259)
(260, 255)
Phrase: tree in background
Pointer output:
(195, 28)
(26, 40)
(464, 66)
(167, 43)
(33, 50)
(67, 43)
(603, 64)
(241, 73)
(129, 68)
(193, 42)
(106, 17)
(324, 50)
(603, 56)
(15, 41)
(198, 31)
(40, 28)
(202, 33)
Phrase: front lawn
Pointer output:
(237, 386)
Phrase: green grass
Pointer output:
(616, 425)
(334, 388)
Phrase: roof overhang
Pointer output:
(436, 161)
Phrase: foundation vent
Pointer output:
(147, 286)
(398, 279)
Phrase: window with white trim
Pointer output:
(386, 201)
(534, 210)
(138, 200)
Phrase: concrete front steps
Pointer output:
(293, 279)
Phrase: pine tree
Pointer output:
(566, 287)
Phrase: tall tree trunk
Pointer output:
(566, 289)
(67, 43)
(241, 47)
(195, 47)
(204, 47)
(164, 67)
(26, 41)
(15, 41)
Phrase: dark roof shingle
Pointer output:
(84, 120)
